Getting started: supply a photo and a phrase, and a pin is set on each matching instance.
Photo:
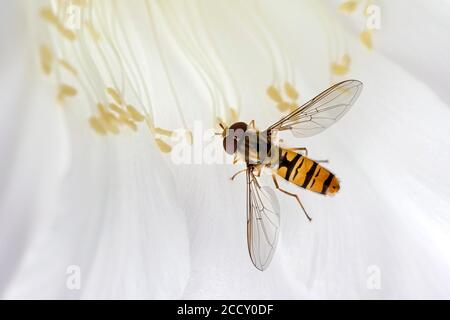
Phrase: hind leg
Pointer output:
(292, 195)
(305, 150)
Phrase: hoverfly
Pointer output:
(259, 150)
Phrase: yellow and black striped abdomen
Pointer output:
(306, 173)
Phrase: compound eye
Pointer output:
(238, 128)
(230, 144)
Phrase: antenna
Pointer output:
(224, 127)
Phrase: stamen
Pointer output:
(348, 6)
(366, 38)
(68, 67)
(134, 114)
(274, 94)
(66, 91)
(290, 91)
(115, 95)
(97, 125)
(164, 147)
(46, 59)
(342, 67)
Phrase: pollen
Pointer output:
(114, 117)
(80, 3)
(234, 115)
(129, 124)
(115, 95)
(293, 106)
(274, 94)
(342, 67)
(348, 6)
(66, 91)
(109, 120)
(134, 114)
(122, 113)
(101, 109)
(66, 33)
(92, 31)
(163, 132)
(48, 15)
(46, 59)
(366, 38)
(97, 126)
(66, 65)
(283, 106)
(111, 123)
(291, 91)
(190, 137)
(164, 147)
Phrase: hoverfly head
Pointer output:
(232, 135)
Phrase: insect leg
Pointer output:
(235, 159)
(258, 171)
(300, 149)
(290, 194)
(252, 124)
(237, 173)
(306, 154)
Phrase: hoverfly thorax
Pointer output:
(247, 144)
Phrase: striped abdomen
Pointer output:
(306, 173)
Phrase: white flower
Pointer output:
(92, 206)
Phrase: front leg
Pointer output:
(238, 173)
(255, 168)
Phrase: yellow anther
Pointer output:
(163, 132)
(164, 147)
(190, 137)
(342, 67)
(134, 114)
(348, 6)
(234, 115)
(115, 95)
(46, 59)
(94, 34)
(290, 91)
(66, 33)
(366, 38)
(48, 15)
(129, 124)
(97, 125)
(68, 67)
(122, 113)
(283, 106)
(66, 91)
(274, 94)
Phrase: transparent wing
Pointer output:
(263, 221)
(321, 112)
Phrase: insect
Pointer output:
(259, 150)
